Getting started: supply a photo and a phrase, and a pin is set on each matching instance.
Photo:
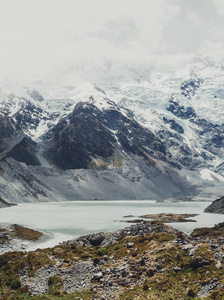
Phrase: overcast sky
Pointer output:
(37, 36)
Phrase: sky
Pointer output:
(39, 36)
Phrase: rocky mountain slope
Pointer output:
(216, 207)
(147, 135)
(134, 180)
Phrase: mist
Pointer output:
(38, 37)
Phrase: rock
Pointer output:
(108, 270)
(94, 239)
(216, 206)
(96, 261)
(130, 245)
(25, 151)
(187, 247)
(177, 269)
(124, 273)
(208, 288)
(105, 258)
(218, 265)
(157, 266)
(150, 272)
(98, 276)
(142, 262)
(192, 252)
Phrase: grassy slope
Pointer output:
(183, 283)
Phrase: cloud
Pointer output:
(119, 32)
(39, 36)
(219, 6)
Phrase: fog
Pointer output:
(38, 37)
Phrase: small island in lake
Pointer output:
(164, 218)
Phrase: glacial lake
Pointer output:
(68, 220)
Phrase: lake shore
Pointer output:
(66, 221)
(19, 238)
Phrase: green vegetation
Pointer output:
(23, 294)
(55, 284)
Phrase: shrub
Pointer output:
(16, 284)
(101, 252)
(145, 287)
(191, 293)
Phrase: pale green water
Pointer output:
(67, 220)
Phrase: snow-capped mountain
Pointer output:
(134, 123)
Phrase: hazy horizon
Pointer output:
(38, 37)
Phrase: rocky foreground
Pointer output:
(148, 260)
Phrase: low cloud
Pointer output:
(38, 37)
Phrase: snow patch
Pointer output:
(210, 175)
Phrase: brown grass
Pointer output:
(24, 233)
(213, 232)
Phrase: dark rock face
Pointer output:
(79, 137)
(8, 130)
(174, 125)
(28, 115)
(213, 135)
(174, 140)
(89, 133)
(94, 239)
(189, 87)
(24, 151)
(131, 135)
(180, 111)
(217, 206)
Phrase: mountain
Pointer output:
(216, 206)
(24, 151)
(129, 135)
(100, 137)
(9, 133)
